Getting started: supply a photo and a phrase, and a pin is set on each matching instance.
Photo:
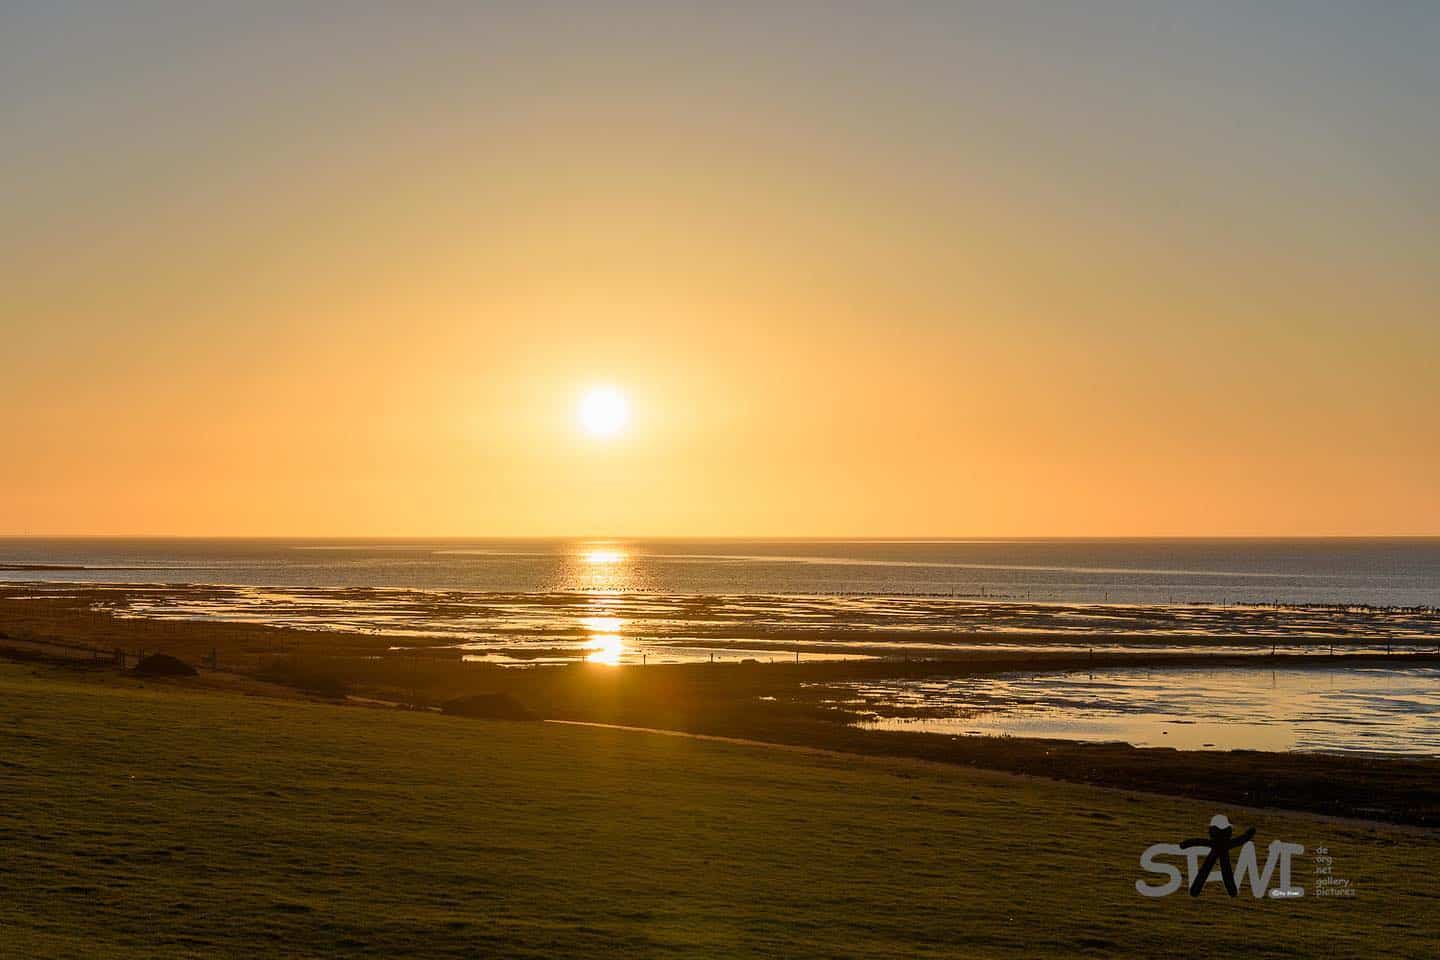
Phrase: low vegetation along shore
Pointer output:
(783, 703)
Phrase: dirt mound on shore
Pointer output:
(488, 706)
(319, 676)
(164, 665)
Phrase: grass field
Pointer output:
(156, 821)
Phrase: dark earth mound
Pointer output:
(164, 665)
(488, 706)
(314, 675)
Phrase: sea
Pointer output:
(1378, 572)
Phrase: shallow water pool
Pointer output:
(1304, 709)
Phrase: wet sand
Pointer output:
(531, 628)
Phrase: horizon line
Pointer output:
(834, 538)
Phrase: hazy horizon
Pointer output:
(684, 537)
(1393, 572)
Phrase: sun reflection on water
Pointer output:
(606, 556)
(605, 625)
(605, 648)
(601, 567)
(604, 640)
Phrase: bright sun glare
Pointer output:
(604, 411)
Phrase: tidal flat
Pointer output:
(798, 701)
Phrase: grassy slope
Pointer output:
(153, 821)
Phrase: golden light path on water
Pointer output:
(605, 648)
(604, 567)
(605, 643)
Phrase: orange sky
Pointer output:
(968, 272)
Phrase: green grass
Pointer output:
(153, 821)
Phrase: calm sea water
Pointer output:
(1371, 709)
(1381, 572)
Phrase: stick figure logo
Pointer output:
(1220, 843)
(1203, 854)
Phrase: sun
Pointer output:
(604, 412)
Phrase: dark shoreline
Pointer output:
(782, 702)
(721, 701)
